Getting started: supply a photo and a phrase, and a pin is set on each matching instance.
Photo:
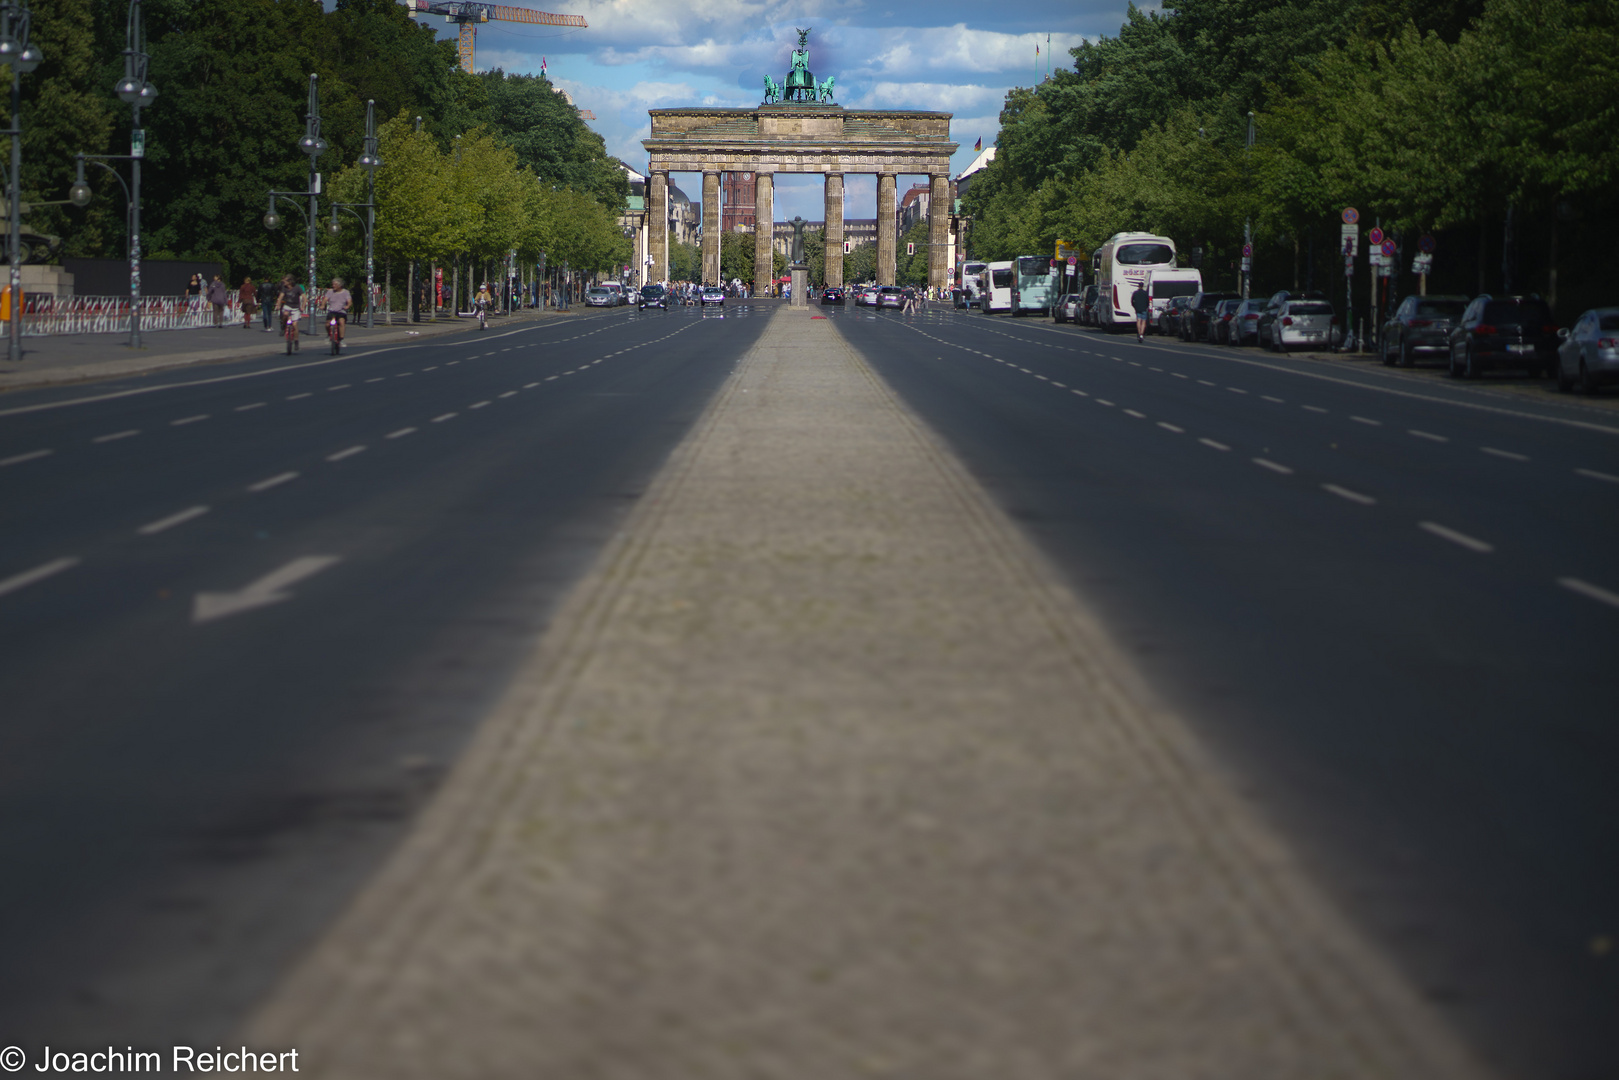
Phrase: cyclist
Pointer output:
(337, 307)
(484, 299)
(288, 305)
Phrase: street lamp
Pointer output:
(1248, 222)
(313, 145)
(369, 161)
(21, 57)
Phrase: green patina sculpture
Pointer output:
(800, 84)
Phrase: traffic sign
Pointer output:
(1349, 266)
(1390, 247)
(1351, 215)
(1375, 236)
(1422, 264)
(1247, 251)
(1073, 260)
(1426, 245)
(1247, 264)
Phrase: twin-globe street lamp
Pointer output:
(369, 160)
(313, 145)
(21, 57)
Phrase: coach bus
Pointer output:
(1036, 285)
(1121, 264)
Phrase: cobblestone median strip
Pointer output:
(822, 773)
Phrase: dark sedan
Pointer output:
(1420, 326)
(1195, 323)
(1503, 331)
(1219, 326)
(1589, 354)
(654, 296)
(832, 294)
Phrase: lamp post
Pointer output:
(20, 57)
(1248, 222)
(313, 145)
(369, 160)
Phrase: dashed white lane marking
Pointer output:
(348, 453)
(38, 573)
(451, 363)
(1042, 378)
(403, 374)
(172, 520)
(1060, 385)
(1272, 466)
(254, 405)
(1573, 584)
(509, 393)
(551, 378)
(339, 386)
(441, 419)
(18, 459)
(1159, 370)
(530, 386)
(1594, 475)
(1171, 427)
(425, 370)
(1235, 390)
(1205, 382)
(188, 420)
(1469, 542)
(1137, 415)
(1216, 445)
(297, 397)
(1508, 454)
(1178, 375)
(401, 433)
(1352, 496)
(1267, 397)
(274, 481)
(1312, 408)
(1368, 422)
(1081, 393)
(1430, 436)
(477, 404)
(115, 436)
(1101, 401)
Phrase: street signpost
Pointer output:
(1350, 215)
(1350, 245)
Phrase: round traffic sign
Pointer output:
(1375, 236)
(1247, 250)
(1351, 215)
(1425, 245)
(1390, 247)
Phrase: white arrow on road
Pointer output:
(266, 590)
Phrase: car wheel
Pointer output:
(1386, 356)
(1588, 385)
(1406, 359)
(1451, 367)
(1470, 365)
(1564, 383)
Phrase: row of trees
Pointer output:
(232, 83)
(1485, 122)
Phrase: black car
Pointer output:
(1420, 326)
(832, 294)
(1195, 322)
(654, 296)
(1504, 331)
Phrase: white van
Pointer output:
(1164, 285)
(996, 294)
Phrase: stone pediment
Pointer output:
(796, 128)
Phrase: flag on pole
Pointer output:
(979, 145)
(542, 65)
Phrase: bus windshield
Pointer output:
(1003, 278)
(1144, 254)
(1034, 266)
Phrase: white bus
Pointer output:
(1124, 262)
(1036, 286)
(998, 279)
(970, 283)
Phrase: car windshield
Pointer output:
(1144, 254)
(1610, 322)
(1213, 300)
(1309, 307)
(892, 290)
(598, 292)
(652, 291)
(1440, 309)
(1516, 312)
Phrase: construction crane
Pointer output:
(468, 15)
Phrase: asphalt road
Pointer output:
(1391, 606)
(249, 617)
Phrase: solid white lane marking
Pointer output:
(401, 433)
(1216, 445)
(38, 573)
(172, 520)
(274, 481)
(1469, 542)
(1352, 496)
(32, 455)
(1272, 466)
(1312, 408)
(1171, 427)
(255, 405)
(132, 432)
(1594, 475)
(509, 393)
(188, 420)
(295, 397)
(441, 419)
(1508, 454)
(1137, 415)
(341, 454)
(1430, 436)
(1267, 397)
(1364, 420)
(477, 404)
(1584, 588)
(266, 590)
(339, 386)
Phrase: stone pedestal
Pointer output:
(41, 280)
(800, 286)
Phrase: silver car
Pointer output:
(1303, 324)
(1589, 353)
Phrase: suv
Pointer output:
(890, 296)
(1195, 321)
(654, 296)
(1420, 325)
(1511, 331)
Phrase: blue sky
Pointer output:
(953, 55)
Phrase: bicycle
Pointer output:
(483, 317)
(289, 328)
(332, 322)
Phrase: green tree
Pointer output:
(550, 138)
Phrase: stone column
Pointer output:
(657, 224)
(711, 228)
(764, 231)
(938, 231)
(886, 228)
(834, 229)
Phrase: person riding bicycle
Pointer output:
(338, 302)
(1141, 301)
(289, 306)
(482, 301)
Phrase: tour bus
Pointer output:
(1036, 285)
(970, 283)
(1121, 264)
(998, 279)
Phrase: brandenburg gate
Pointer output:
(797, 129)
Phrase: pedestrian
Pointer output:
(1141, 300)
(266, 299)
(248, 296)
(218, 296)
(194, 294)
(910, 302)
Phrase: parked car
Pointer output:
(620, 295)
(1194, 324)
(1420, 326)
(890, 296)
(653, 296)
(1169, 318)
(1244, 325)
(832, 294)
(711, 295)
(1272, 310)
(1303, 324)
(1503, 331)
(1589, 353)
(597, 296)
(1066, 309)
(1087, 305)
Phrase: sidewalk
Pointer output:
(71, 358)
(823, 773)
